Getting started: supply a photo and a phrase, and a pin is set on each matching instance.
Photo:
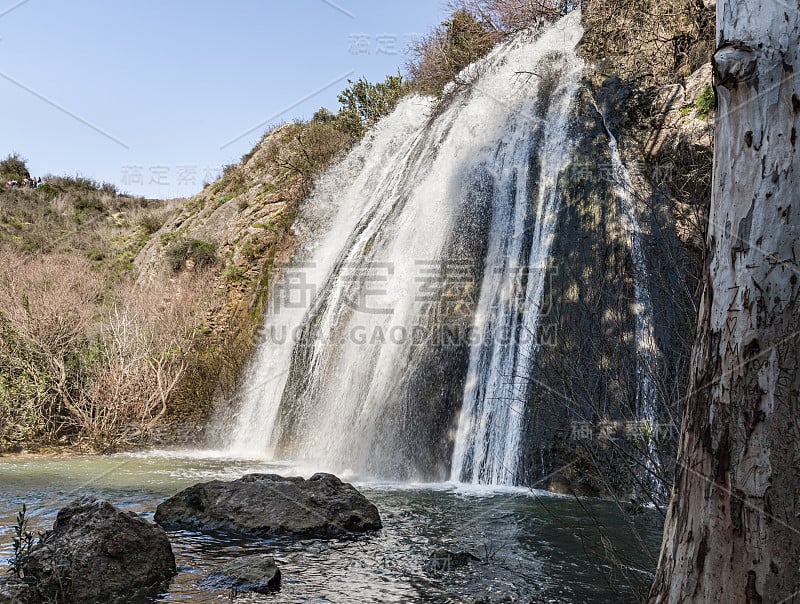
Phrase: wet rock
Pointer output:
(443, 560)
(16, 591)
(257, 574)
(98, 553)
(268, 505)
(500, 600)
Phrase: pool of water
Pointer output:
(534, 546)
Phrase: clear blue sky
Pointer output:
(165, 92)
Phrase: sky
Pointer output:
(156, 96)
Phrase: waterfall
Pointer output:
(333, 214)
(646, 395)
(425, 277)
(647, 403)
(507, 320)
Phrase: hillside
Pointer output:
(125, 320)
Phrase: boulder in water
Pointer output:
(98, 553)
(268, 505)
(257, 574)
(444, 560)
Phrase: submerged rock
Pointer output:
(258, 574)
(98, 553)
(268, 505)
(443, 560)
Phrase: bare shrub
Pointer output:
(144, 349)
(306, 149)
(202, 254)
(48, 304)
(650, 41)
(473, 29)
(511, 16)
(104, 375)
(14, 167)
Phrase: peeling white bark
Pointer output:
(733, 529)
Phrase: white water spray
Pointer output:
(345, 394)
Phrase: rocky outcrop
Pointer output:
(681, 145)
(236, 211)
(680, 118)
(267, 505)
(257, 574)
(98, 553)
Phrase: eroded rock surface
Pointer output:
(268, 505)
(99, 553)
(257, 574)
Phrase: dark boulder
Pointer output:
(444, 560)
(257, 574)
(267, 505)
(98, 553)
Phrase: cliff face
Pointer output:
(240, 225)
(607, 386)
(243, 214)
(588, 397)
(604, 396)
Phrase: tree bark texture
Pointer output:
(732, 532)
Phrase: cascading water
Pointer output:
(506, 322)
(336, 209)
(422, 283)
(646, 349)
(646, 396)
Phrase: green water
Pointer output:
(535, 547)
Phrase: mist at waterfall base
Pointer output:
(400, 341)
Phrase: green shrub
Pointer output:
(455, 44)
(364, 103)
(22, 545)
(89, 203)
(24, 389)
(170, 236)
(250, 250)
(705, 102)
(150, 223)
(234, 273)
(96, 255)
(13, 167)
(324, 116)
(201, 253)
(47, 191)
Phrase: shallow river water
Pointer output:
(534, 546)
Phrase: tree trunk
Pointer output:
(732, 533)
